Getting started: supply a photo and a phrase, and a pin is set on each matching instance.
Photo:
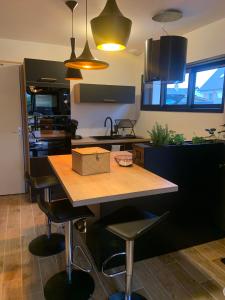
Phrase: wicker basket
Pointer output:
(90, 161)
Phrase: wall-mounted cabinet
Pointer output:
(99, 93)
(44, 73)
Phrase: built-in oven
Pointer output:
(48, 100)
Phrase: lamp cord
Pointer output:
(86, 19)
(164, 30)
(72, 23)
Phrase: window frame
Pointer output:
(192, 69)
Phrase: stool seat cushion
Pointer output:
(41, 182)
(132, 230)
(62, 211)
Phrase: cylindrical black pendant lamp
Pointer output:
(111, 30)
(165, 59)
(173, 54)
(151, 64)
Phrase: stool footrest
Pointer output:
(87, 259)
(111, 275)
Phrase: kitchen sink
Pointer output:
(113, 137)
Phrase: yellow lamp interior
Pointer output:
(87, 65)
(72, 78)
(111, 47)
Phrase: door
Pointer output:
(11, 140)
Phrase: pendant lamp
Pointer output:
(165, 59)
(86, 60)
(111, 30)
(72, 74)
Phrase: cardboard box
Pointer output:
(90, 161)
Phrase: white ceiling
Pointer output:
(49, 21)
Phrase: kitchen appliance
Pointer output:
(48, 100)
(73, 126)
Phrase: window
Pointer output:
(176, 94)
(203, 89)
(209, 86)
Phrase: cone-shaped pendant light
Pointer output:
(86, 60)
(72, 74)
(111, 30)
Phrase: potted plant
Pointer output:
(159, 135)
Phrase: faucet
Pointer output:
(111, 125)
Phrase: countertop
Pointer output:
(50, 134)
(121, 183)
(93, 141)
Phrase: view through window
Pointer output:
(202, 89)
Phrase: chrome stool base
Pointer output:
(46, 246)
(58, 287)
(121, 296)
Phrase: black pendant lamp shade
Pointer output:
(165, 59)
(111, 30)
(72, 74)
(86, 60)
(173, 55)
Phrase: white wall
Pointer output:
(203, 43)
(90, 116)
(127, 69)
(121, 72)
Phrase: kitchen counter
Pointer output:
(50, 134)
(92, 141)
(121, 183)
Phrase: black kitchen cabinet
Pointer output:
(99, 93)
(198, 170)
(44, 72)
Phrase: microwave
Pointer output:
(48, 101)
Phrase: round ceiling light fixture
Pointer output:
(86, 60)
(72, 74)
(111, 30)
(168, 15)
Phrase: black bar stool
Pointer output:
(69, 284)
(129, 232)
(50, 243)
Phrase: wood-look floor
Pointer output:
(194, 273)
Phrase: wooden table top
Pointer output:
(50, 134)
(121, 183)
